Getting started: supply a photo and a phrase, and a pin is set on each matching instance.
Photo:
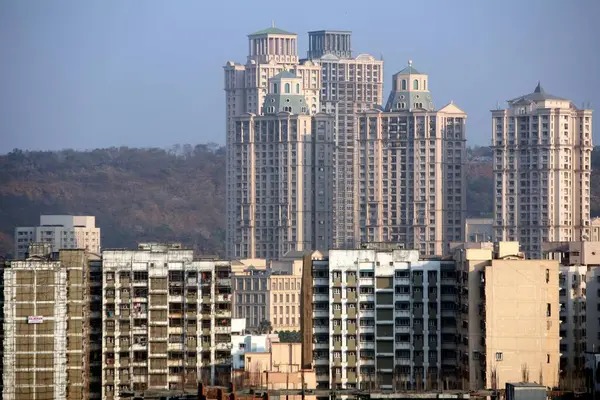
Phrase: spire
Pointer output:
(272, 23)
(539, 88)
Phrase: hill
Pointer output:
(135, 194)
(159, 195)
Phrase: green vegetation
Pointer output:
(290, 337)
(160, 195)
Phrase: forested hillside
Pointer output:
(158, 195)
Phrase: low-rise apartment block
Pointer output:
(61, 232)
(383, 319)
(167, 320)
(47, 326)
(271, 295)
(509, 326)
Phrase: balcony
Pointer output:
(223, 282)
(222, 329)
(223, 346)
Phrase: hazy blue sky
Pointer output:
(85, 74)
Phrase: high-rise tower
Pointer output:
(542, 165)
(270, 52)
(410, 185)
(350, 85)
(282, 174)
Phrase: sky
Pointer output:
(88, 74)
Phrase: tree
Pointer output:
(290, 337)
(264, 327)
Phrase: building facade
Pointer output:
(509, 306)
(47, 326)
(411, 185)
(478, 230)
(272, 295)
(62, 232)
(166, 320)
(349, 85)
(542, 164)
(384, 319)
(579, 310)
(271, 51)
(283, 173)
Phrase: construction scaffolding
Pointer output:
(46, 327)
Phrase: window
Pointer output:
(416, 84)
(287, 88)
(547, 275)
(297, 88)
(499, 356)
(548, 310)
(548, 358)
(403, 84)
(275, 88)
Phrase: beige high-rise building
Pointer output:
(510, 317)
(166, 319)
(282, 174)
(62, 232)
(47, 326)
(349, 85)
(271, 52)
(411, 185)
(542, 163)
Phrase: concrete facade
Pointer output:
(509, 305)
(479, 230)
(411, 184)
(62, 232)
(579, 309)
(384, 319)
(166, 318)
(349, 85)
(47, 327)
(542, 164)
(272, 295)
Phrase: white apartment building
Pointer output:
(579, 306)
(542, 163)
(271, 51)
(166, 320)
(411, 185)
(349, 85)
(62, 231)
(282, 171)
(384, 319)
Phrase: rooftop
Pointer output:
(539, 94)
(271, 31)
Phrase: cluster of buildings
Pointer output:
(346, 224)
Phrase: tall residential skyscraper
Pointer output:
(542, 164)
(349, 85)
(410, 182)
(62, 232)
(271, 51)
(281, 174)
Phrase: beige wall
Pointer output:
(519, 332)
(280, 369)
(284, 302)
